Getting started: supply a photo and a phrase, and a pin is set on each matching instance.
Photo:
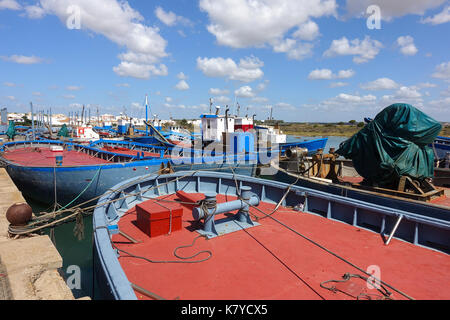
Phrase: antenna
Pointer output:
(210, 105)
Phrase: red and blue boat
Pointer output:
(218, 236)
(62, 172)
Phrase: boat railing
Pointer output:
(420, 230)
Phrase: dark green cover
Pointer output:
(394, 144)
(11, 132)
(63, 132)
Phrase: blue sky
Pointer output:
(311, 61)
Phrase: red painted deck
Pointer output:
(271, 262)
(132, 152)
(43, 156)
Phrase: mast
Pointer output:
(146, 115)
(32, 120)
(82, 116)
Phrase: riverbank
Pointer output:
(332, 129)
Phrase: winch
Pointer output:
(209, 208)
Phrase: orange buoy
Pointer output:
(19, 214)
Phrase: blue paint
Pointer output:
(423, 231)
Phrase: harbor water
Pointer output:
(77, 254)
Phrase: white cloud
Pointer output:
(345, 74)
(263, 85)
(169, 18)
(260, 100)
(327, 74)
(182, 85)
(284, 105)
(34, 12)
(320, 74)
(217, 92)
(9, 84)
(222, 99)
(338, 84)
(244, 92)
(380, 84)
(11, 98)
(37, 94)
(121, 24)
(124, 85)
(442, 17)
(406, 44)
(392, 9)
(259, 23)
(407, 93)
(22, 59)
(140, 71)
(248, 69)
(363, 50)
(182, 76)
(344, 102)
(294, 49)
(307, 31)
(427, 85)
(404, 94)
(446, 92)
(10, 4)
(442, 71)
(68, 96)
(73, 88)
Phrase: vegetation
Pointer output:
(322, 129)
(334, 129)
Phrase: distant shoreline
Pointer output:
(332, 129)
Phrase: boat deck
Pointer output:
(271, 262)
(41, 156)
(130, 152)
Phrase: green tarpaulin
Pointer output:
(392, 145)
(63, 132)
(11, 132)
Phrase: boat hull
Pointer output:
(416, 229)
(87, 182)
(311, 145)
(414, 206)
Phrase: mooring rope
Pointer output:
(42, 221)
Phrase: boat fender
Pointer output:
(19, 214)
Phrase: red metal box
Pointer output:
(158, 218)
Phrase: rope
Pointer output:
(380, 282)
(183, 259)
(385, 294)
(42, 221)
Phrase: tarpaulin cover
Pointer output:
(392, 145)
(63, 132)
(11, 132)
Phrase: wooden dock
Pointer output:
(28, 266)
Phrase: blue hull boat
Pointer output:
(441, 146)
(87, 172)
(311, 145)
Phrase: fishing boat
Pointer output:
(214, 236)
(216, 127)
(381, 166)
(68, 173)
(441, 147)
